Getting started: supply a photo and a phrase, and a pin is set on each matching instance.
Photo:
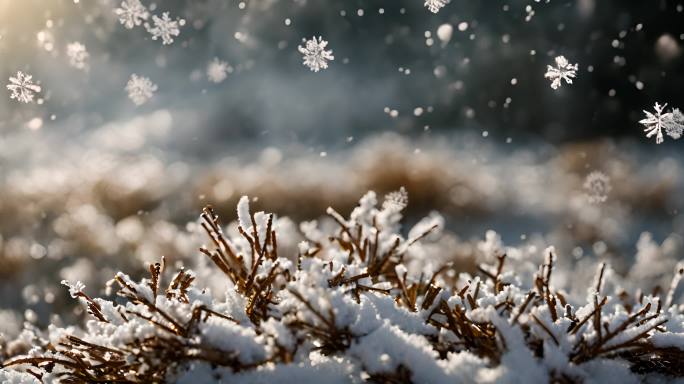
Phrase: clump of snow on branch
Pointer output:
(597, 187)
(22, 88)
(131, 13)
(435, 5)
(164, 27)
(140, 89)
(562, 71)
(361, 302)
(672, 122)
(315, 55)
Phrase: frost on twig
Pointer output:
(360, 303)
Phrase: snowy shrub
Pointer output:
(359, 302)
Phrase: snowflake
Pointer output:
(674, 126)
(435, 5)
(140, 89)
(396, 200)
(597, 186)
(131, 13)
(78, 55)
(218, 70)
(315, 55)
(562, 71)
(164, 27)
(22, 87)
(673, 122)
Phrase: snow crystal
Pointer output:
(315, 55)
(140, 89)
(164, 28)
(22, 87)
(597, 186)
(562, 71)
(672, 122)
(78, 55)
(131, 13)
(435, 5)
(218, 70)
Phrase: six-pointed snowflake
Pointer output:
(164, 27)
(674, 126)
(78, 55)
(597, 186)
(435, 5)
(562, 71)
(315, 55)
(655, 122)
(140, 89)
(218, 70)
(131, 13)
(22, 87)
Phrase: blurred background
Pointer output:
(454, 106)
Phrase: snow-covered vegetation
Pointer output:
(360, 300)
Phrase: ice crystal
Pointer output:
(131, 13)
(672, 122)
(562, 71)
(164, 28)
(74, 289)
(22, 87)
(597, 186)
(435, 5)
(396, 200)
(140, 89)
(315, 55)
(78, 55)
(218, 70)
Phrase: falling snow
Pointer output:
(218, 70)
(22, 87)
(435, 5)
(131, 13)
(165, 28)
(562, 71)
(140, 89)
(654, 123)
(597, 187)
(315, 55)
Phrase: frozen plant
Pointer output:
(597, 186)
(217, 70)
(131, 13)
(672, 122)
(435, 5)
(78, 55)
(22, 87)
(140, 89)
(315, 55)
(164, 28)
(562, 71)
(357, 304)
